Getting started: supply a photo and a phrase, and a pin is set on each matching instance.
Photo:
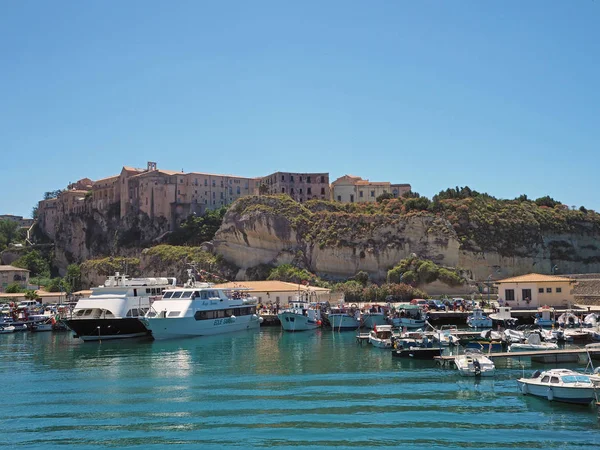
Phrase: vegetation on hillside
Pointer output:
(198, 229)
(415, 271)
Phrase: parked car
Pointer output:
(438, 305)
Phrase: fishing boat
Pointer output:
(410, 317)
(372, 317)
(478, 319)
(344, 318)
(504, 318)
(533, 342)
(201, 309)
(302, 315)
(561, 385)
(545, 317)
(381, 336)
(474, 364)
(113, 310)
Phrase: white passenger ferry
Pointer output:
(200, 309)
(113, 309)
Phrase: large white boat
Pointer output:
(410, 317)
(302, 315)
(478, 319)
(474, 364)
(343, 318)
(200, 309)
(113, 310)
(561, 385)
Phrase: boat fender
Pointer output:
(524, 389)
(550, 394)
(233, 318)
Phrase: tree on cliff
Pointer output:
(292, 274)
(547, 201)
(198, 229)
(35, 263)
(8, 233)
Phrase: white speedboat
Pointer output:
(514, 336)
(474, 364)
(445, 337)
(504, 318)
(591, 320)
(200, 309)
(381, 336)
(478, 319)
(545, 317)
(561, 385)
(7, 329)
(113, 310)
(343, 318)
(532, 343)
(300, 316)
(568, 320)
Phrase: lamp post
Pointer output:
(488, 289)
(554, 268)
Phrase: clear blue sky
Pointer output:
(501, 96)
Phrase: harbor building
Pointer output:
(11, 274)
(300, 186)
(353, 189)
(534, 290)
(278, 292)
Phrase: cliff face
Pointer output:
(91, 234)
(333, 244)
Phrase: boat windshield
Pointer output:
(575, 379)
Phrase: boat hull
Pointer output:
(410, 324)
(296, 322)
(581, 396)
(104, 329)
(180, 327)
(370, 320)
(417, 353)
(343, 322)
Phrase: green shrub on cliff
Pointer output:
(108, 266)
(292, 274)
(198, 229)
(418, 271)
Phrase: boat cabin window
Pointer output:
(87, 312)
(132, 313)
(168, 294)
(148, 290)
(545, 379)
(186, 294)
(554, 380)
(174, 313)
(177, 294)
(575, 379)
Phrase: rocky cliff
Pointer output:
(337, 241)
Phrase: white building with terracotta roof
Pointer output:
(534, 290)
(278, 292)
(353, 189)
(11, 274)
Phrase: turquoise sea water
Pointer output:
(264, 389)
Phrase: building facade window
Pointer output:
(509, 294)
(372, 193)
(540, 290)
(360, 194)
(558, 290)
(308, 191)
(548, 290)
(322, 191)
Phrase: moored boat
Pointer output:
(381, 336)
(343, 318)
(113, 310)
(533, 342)
(301, 315)
(545, 316)
(201, 309)
(503, 317)
(478, 319)
(561, 385)
(474, 364)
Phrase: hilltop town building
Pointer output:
(353, 189)
(300, 186)
(19, 220)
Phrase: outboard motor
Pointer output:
(477, 367)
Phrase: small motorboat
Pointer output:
(545, 317)
(381, 336)
(532, 343)
(561, 385)
(568, 320)
(513, 336)
(504, 318)
(7, 329)
(474, 364)
(591, 320)
(478, 319)
(410, 317)
(445, 337)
